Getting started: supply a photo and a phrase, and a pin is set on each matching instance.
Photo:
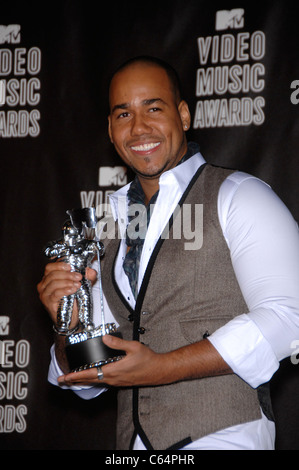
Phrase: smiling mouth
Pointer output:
(145, 147)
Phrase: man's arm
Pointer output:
(142, 366)
(263, 239)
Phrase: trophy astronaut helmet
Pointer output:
(71, 234)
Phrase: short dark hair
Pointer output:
(171, 72)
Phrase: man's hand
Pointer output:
(143, 367)
(138, 366)
(58, 281)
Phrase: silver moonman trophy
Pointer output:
(84, 345)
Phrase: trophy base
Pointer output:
(86, 349)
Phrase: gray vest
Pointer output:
(185, 296)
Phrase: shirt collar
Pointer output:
(181, 175)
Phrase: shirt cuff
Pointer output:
(87, 392)
(245, 350)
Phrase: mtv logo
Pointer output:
(4, 325)
(112, 176)
(10, 34)
(233, 19)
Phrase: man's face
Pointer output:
(146, 124)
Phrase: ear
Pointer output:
(109, 129)
(185, 115)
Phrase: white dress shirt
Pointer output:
(263, 239)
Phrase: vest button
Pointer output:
(131, 317)
(206, 334)
(141, 330)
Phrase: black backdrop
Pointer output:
(240, 76)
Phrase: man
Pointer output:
(204, 330)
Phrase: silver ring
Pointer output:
(100, 373)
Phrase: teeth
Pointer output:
(145, 147)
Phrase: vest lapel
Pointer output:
(159, 244)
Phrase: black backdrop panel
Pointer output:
(239, 70)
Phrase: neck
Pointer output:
(150, 187)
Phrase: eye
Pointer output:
(123, 115)
(154, 109)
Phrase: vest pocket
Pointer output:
(196, 329)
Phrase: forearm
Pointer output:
(194, 361)
(60, 353)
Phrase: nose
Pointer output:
(140, 125)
